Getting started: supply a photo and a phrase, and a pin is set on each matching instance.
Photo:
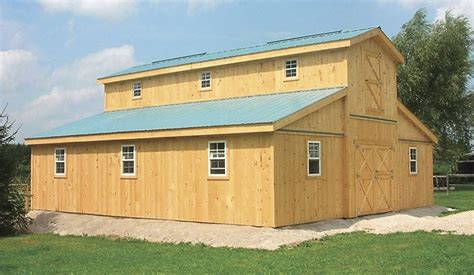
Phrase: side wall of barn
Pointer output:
(172, 180)
(416, 190)
(320, 69)
(300, 198)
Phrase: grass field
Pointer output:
(346, 253)
(462, 199)
(419, 252)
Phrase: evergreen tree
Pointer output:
(12, 204)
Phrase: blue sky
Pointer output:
(52, 52)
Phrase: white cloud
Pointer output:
(462, 7)
(103, 9)
(457, 7)
(71, 91)
(195, 6)
(15, 66)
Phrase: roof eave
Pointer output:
(135, 135)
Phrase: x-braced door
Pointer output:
(374, 178)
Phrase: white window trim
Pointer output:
(134, 161)
(209, 159)
(201, 80)
(415, 160)
(133, 90)
(308, 158)
(56, 161)
(297, 70)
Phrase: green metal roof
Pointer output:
(269, 46)
(257, 109)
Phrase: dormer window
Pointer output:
(291, 69)
(137, 90)
(206, 81)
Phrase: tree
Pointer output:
(12, 204)
(433, 82)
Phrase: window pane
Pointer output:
(59, 167)
(412, 154)
(313, 166)
(217, 171)
(313, 150)
(59, 154)
(217, 163)
(128, 167)
(413, 166)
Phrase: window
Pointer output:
(413, 161)
(206, 81)
(128, 160)
(314, 158)
(60, 161)
(217, 158)
(137, 90)
(291, 69)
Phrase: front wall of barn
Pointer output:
(172, 180)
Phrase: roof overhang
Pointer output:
(376, 33)
(417, 122)
(192, 132)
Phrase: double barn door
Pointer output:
(374, 178)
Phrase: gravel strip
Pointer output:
(222, 235)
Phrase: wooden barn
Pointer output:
(288, 132)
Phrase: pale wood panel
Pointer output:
(172, 180)
(415, 190)
(371, 67)
(298, 197)
(327, 119)
(373, 134)
(408, 130)
(315, 70)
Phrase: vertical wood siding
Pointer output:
(315, 70)
(172, 180)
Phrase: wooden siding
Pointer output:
(407, 130)
(172, 180)
(300, 198)
(329, 119)
(369, 94)
(315, 70)
(415, 190)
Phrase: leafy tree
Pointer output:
(433, 82)
(12, 204)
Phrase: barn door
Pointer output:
(374, 178)
(373, 83)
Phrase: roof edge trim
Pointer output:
(136, 135)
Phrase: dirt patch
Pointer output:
(221, 235)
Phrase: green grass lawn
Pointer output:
(462, 199)
(418, 252)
